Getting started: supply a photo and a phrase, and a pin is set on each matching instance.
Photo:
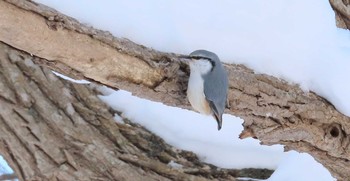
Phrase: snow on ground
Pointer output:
(292, 39)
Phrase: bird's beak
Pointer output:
(185, 57)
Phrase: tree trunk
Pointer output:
(55, 130)
(274, 111)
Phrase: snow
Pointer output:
(248, 179)
(301, 167)
(291, 39)
(192, 131)
(70, 79)
(118, 119)
(174, 165)
(4, 167)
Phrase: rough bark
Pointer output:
(274, 111)
(55, 130)
(342, 13)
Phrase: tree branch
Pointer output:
(52, 129)
(274, 111)
(342, 12)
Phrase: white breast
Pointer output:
(195, 89)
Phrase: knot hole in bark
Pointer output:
(334, 132)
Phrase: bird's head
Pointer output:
(202, 60)
(204, 54)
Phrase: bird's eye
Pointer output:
(195, 57)
(200, 57)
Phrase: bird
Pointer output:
(207, 84)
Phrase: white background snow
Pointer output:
(292, 39)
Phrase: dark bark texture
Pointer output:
(52, 129)
(274, 111)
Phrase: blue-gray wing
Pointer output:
(215, 89)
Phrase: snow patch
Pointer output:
(198, 133)
(118, 119)
(301, 167)
(70, 79)
(174, 165)
(4, 167)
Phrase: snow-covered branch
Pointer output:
(274, 111)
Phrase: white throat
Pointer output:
(195, 89)
(201, 66)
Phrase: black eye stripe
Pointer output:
(199, 57)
